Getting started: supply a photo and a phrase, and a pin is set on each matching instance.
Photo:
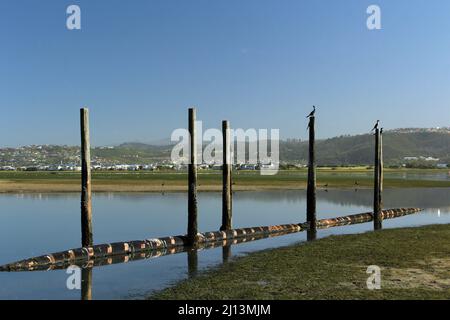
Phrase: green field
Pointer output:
(211, 180)
(414, 262)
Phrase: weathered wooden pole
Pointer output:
(381, 169)
(86, 197)
(376, 194)
(192, 181)
(226, 178)
(311, 188)
(86, 283)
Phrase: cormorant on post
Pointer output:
(375, 126)
(312, 112)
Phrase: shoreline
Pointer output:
(332, 268)
(118, 188)
(211, 181)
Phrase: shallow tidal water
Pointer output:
(35, 224)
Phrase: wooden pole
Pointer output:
(86, 283)
(192, 181)
(311, 188)
(226, 178)
(381, 174)
(86, 196)
(376, 194)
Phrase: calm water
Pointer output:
(32, 225)
(442, 175)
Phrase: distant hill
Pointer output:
(358, 150)
(134, 152)
(343, 150)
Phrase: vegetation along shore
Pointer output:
(333, 268)
(210, 180)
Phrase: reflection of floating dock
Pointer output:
(105, 254)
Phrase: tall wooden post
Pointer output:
(377, 178)
(226, 177)
(381, 169)
(192, 181)
(311, 188)
(86, 283)
(86, 197)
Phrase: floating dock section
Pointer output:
(119, 252)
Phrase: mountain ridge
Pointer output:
(344, 150)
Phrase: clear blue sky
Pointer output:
(138, 65)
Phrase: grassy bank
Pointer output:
(415, 264)
(208, 180)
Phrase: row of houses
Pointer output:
(423, 159)
(134, 167)
(420, 158)
(41, 168)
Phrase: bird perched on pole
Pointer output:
(375, 126)
(312, 113)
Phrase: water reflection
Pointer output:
(410, 197)
(226, 253)
(33, 221)
(192, 257)
(377, 224)
(86, 283)
(311, 234)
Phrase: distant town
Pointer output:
(407, 147)
(65, 158)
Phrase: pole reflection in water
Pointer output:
(311, 234)
(123, 252)
(192, 257)
(226, 253)
(86, 283)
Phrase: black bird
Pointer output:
(312, 112)
(375, 126)
(381, 131)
